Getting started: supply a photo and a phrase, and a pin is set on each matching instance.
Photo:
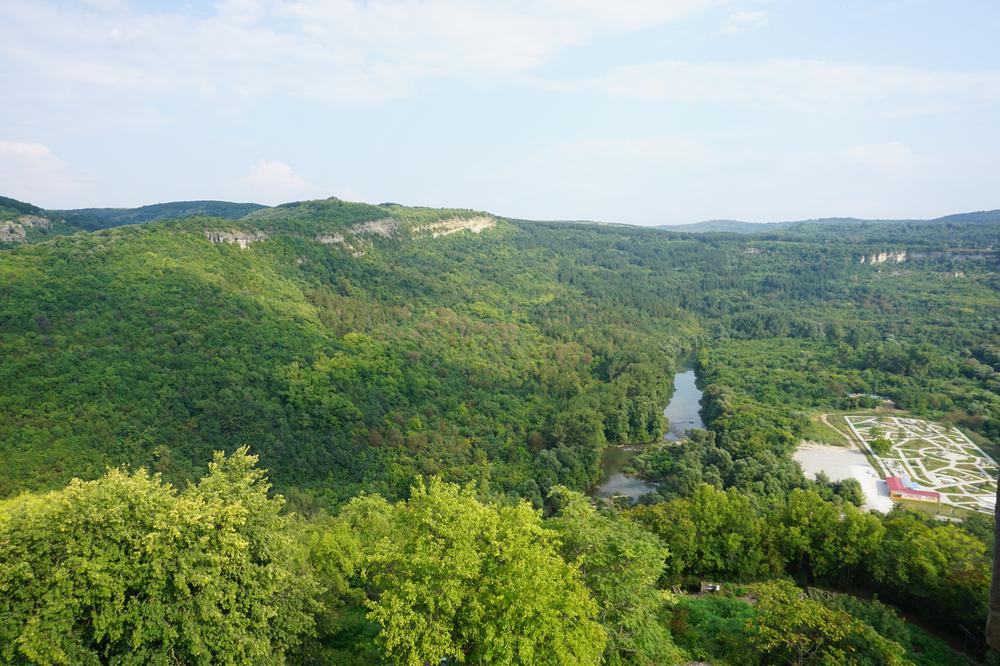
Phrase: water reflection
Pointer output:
(617, 482)
(682, 415)
(682, 412)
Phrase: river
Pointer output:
(682, 415)
(682, 412)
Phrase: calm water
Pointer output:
(682, 412)
(617, 482)
(682, 415)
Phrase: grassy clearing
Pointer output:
(932, 464)
(932, 509)
(817, 431)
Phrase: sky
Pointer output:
(633, 111)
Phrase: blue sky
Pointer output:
(637, 111)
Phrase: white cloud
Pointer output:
(797, 85)
(32, 156)
(277, 176)
(891, 158)
(744, 20)
(349, 51)
(31, 172)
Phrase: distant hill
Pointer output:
(719, 226)
(102, 218)
(12, 208)
(741, 227)
(22, 222)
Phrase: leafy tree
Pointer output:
(850, 490)
(450, 577)
(791, 629)
(938, 565)
(621, 564)
(582, 431)
(127, 570)
(673, 523)
(713, 629)
(881, 445)
(826, 540)
(729, 537)
(882, 618)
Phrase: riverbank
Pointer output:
(682, 414)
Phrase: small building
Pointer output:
(900, 489)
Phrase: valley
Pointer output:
(478, 333)
(397, 372)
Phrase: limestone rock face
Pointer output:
(330, 239)
(356, 247)
(357, 239)
(883, 257)
(12, 232)
(453, 225)
(385, 227)
(241, 238)
(16, 231)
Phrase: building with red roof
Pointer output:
(898, 489)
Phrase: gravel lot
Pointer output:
(839, 463)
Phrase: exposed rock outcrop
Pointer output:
(16, 231)
(36, 221)
(353, 239)
(883, 257)
(357, 239)
(241, 238)
(330, 239)
(12, 232)
(455, 224)
(356, 247)
(385, 227)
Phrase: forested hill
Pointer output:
(429, 390)
(354, 346)
(850, 224)
(102, 218)
(351, 345)
(22, 222)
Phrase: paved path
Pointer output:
(934, 456)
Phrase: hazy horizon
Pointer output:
(530, 219)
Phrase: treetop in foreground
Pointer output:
(127, 569)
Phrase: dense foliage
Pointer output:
(459, 356)
(126, 569)
(420, 394)
(937, 570)
(91, 219)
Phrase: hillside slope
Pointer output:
(350, 345)
(354, 346)
(22, 222)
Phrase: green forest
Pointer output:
(339, 433)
